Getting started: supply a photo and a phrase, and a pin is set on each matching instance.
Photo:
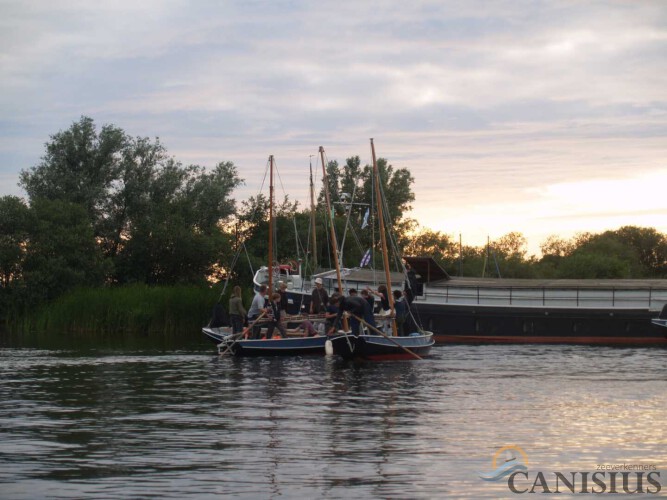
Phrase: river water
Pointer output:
(181, 422)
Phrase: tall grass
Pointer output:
(132, 309)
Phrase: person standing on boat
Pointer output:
(332, 313)
(282, 290)
(358, 307)
(319, 298)
(276, 318)
(401, 311)
(257, 307)
(237, 312)
(410, 286)
(385, 308)
(365, 294)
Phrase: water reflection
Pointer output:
(136, 423)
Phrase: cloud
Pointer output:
(485, 102)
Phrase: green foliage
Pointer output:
(155, 220)
(61, 251)
(629, 252)
(435, 244)
(351, 182)
(79, 166)
(587, 265)
(14, 225)
(133, 309)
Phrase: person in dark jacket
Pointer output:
(319, 298)
(356, 306)
(401, 312)
(410, 287)
(276, 318)
(237, 312)
(284, 302)
(365, 294)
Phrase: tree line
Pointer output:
(105, 209)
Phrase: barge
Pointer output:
(477, 310)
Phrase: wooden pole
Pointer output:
(270, 266)
(312, 218)
(383, 239)
(334, 242)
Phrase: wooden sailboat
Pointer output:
(240, 345)
(376, 345)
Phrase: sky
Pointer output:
(542, 117)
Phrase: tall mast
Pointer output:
(334, 243)
(270, 266)
(383, 238)
(312, 217)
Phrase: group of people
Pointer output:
(273, 307)
(359, 307)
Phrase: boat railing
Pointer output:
(649, 298)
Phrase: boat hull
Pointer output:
(378, 348)
(292, 346)
(525, 325)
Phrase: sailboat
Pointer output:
(240, 344)
(375, 344)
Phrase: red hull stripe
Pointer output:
(523, 339)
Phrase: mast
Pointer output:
(334, 243)
(312, 217)
(270, 266)
(383, 238)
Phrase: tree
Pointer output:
(155, 220)
(14, 224)
(80, 166)
(510, 253)
(358, 185)
(435, 244)
(61, 252)
(174, 236)
(651, 247)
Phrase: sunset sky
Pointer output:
(531, 116)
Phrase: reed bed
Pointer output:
(132, 309)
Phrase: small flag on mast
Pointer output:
(365, 222)
(365, 260)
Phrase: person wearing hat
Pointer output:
(319, 298)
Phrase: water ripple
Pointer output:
(143, 424)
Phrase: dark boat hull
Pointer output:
(378, 348)
(535, 325)
(292, 346)
(280, 347)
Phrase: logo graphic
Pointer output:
(507, 460)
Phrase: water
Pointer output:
(146, 423)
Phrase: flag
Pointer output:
(365, 223)
(365, 260)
